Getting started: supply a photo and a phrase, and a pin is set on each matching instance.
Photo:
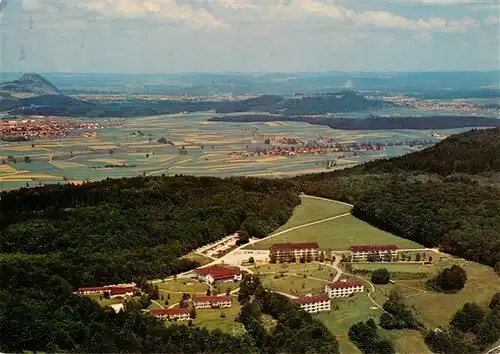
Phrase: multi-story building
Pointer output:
(283, 252)
(343, 288)
(213, 275)
(113, 290)
(362, 252)
(176, 314)
(314, 304)
(204, 302)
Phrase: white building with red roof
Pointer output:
(113, 290)
(175, 314)
(361, 252)
(286, 251)
(314, 304)
(204, 302)
(213, 275)
(343, 288)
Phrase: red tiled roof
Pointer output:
(294, 246)
(373, 248)
(111, 289)
(121, 289)
(95, 288)
(311, 299)
(344, 284)
(212, 298)
(174, 311)
(219, 272)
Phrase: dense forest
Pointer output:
(373, 123)
(446, 196)
(56, 238)
(118, 230)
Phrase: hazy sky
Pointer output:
(248, 36)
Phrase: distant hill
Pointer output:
(473, 152)
(344, 101)
(374, 123)
(30, 83)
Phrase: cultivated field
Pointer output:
(210, 148)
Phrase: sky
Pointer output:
(141, 36)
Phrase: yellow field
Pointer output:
(270, 159)
(7, 169)
(163, 158)
(28, 177)
(207, 122)
(273, 124)
(228, 167)
(97, 147)
(106, 160)
(66, 164)
(20, 148)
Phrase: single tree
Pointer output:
(381, 276)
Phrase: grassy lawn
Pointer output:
(338, 234)
(436, 309)
(311, 210)
(406, 341)
(482, 283)
(174, 298)
(104, 301)
(210, 318)
(198, 258)
(184, 285)
(351, 310)
(294, 285)
(313, 269)
(222, 287)
(396, 267)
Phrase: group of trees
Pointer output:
(54, 239)
(449, 279)
(295, 331)
(398, 315)
(472, 329)
(366, 338)
(381, 276)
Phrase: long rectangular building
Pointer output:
(362, 252)
(111, 289)
(284, 252)
(343, 288)
(204, 302)
(176, 314)
(213, 275)
(314, 304)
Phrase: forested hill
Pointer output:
(117, 231)
(473, 152)
(418, 196)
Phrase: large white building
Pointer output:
(343, 288)
(314, 304)
(361, 252)
(213, 275)
(284, 252)
(112, 290)
(204, 302)
(176, 314)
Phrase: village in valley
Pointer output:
(330, 277)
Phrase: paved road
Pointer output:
(495, 350)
